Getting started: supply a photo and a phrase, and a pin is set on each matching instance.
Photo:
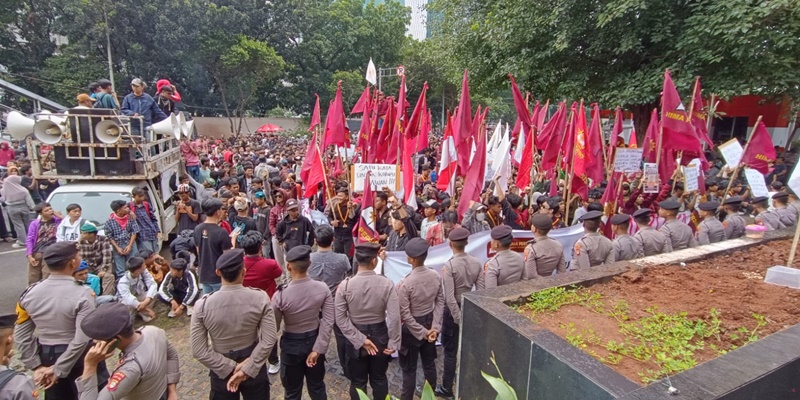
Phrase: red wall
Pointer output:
(774, 115)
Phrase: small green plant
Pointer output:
(427, 393)
(503, 389)
(550, 300)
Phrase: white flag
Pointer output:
(502, 163)
(520, 145)
(372, 74)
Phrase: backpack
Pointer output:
(132, 206)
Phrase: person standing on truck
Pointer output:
(122, 231)
(149, 236)
(140, 104)
(19, 204)
(106, 98)
(41, 234)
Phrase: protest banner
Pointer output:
(690, 174)
(732, 152)
(650, 178)
(758, 187)
(628, 160)
(383, 175)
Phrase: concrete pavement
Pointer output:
(14, 269)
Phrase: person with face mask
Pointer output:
(475, 218)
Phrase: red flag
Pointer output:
(553, 183)
(615, 132)
(398, 133)
(364, 133)
(316, 172)
(473, 184)
(595, 170)
(540, 118)
(384, 137)
(409, 192)
(633, 141)
(519, 103)
(759, 150)
(543, 135)
(568, 144)
(423, 140)
(651, 139)
(335, 131)
(581, 156)
(526, 164)
(363, 103)
(554, 131)
(678, 130)
(365, 228)
(315, 120)
(418, 115)
(338, 168)
(309, 158)
(699, 118)
(462, 129)
(448, 162)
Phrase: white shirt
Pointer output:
(426, 224)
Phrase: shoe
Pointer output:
(440, 391)
(189, 311)
(146, 318)
(274, 368)
(17, 245)
(171, 314)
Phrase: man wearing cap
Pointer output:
(85, 101)
(54, 308)
(140, 104)
(431, 207)
(543, 255)
(421, 307)
(780, 201)
(459, 274)
(261, 216)
(506, 266)
(96, 250)
(187, 210)
(148, 367)
(625, 246)
(368, 313)
(678, 233)
(475, 218)
(83, 277)
(764, 216)
(17, 386)
(710, 229)
(651, 241)
(734, 223)
(343, 215)
(306, 308)
(294, 229)
(593, 249)
(240, 341)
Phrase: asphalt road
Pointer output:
(14, 278)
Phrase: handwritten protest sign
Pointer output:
(732, 152)
(650, 178)
(758, 187)
(690, 174)
(628, 160)
(794, 180)
(382, 175)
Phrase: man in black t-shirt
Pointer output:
(187, 211)
(211, 241)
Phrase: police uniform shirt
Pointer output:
(143, 372)
(592, 250)
(367, 298)
(679, 234)
(794, 207)
(771, 220)
(54, 308)
(419, 294)
(20, 387)
(300, 305)
(787, 217)
(734, 226)
(543, 255)
(506, 267)
(625, 248)
(652, 242)
(710, 230)
(235, 317)
(459, 275)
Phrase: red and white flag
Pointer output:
(364, 230)
(449, 161)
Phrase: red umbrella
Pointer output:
(268, 128)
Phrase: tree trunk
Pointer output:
(641, 118)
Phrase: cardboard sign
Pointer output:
(690, 174)
(758, 186)
(732, 152)
(651, 179)
(794, 180)
(382, 175)
(628, 160)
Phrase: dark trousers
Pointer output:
(412, 349)
(65, 388)
(341, 342)
(362, 367)
(343, 245)
(256, 388)
(295, 348)
(450, 343)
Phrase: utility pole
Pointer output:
(108, 49)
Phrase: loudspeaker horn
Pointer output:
(50, 129)
(181, 120)
(167, 127)
(108, 131)
(19, 126)
(189, 129)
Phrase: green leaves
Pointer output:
(503, 389)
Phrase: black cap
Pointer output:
(541, 221)
(298, 253)
(459, 234)
(590, 215)
(642, 211)
(107, 321)
(432, 204)
(7, 321)
(780, 195)
(733, 200)
(60, 252)
(679, 186)
(759, 199)
(619, 219)
(291, 204)
(501, 232)
(708, 206)
(230, 258)
(367, 250)
(669, 204)
(417, 247)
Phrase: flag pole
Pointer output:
(570, 174)
(746, 145)
(322, 161)
(563, 137)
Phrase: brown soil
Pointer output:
(732, 284)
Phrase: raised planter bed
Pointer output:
(747, 347)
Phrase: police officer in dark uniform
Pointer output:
(54, 308)
(625, 246)
(306, 308)
(710, 230)
(13, 385)
(507, 266)
(368, 313)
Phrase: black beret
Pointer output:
(230, 258)
(416, 247)
(7, 321)
(722, 183)
(60, 252)
(367, 250)
(759, 199)
(780, 195)
(590, 215)
(298, 253)
(541, 221)
(459, 234)
(709, 206)
(733, 200)
(501, 232)
(642, 211)
(669, 204)
(679, 186)
(107, 321)
(619, 219)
